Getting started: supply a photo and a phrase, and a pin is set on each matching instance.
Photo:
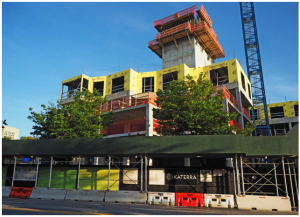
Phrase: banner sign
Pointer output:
(156, 177)
(181, 177)
(25, 174)
(131, 176)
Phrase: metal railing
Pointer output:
(70, 93)
(277, 115)
(176, 15)
(246, 112)
(129, 101)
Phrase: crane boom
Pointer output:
(254, 70)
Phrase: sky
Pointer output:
(44, 43)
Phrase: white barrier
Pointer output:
(219, 200)
(6, 191)
(126, 196)
(88, 195)
(162, 198)
(51, 193)
(269, 203)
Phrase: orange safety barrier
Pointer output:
(153, 42)
(236, 124)
(203, 27)
(20, 192)
(128, 126)
(155, 125)
(189, 199)
(175, 16)
(203, 14)
(173, 30)
(245, 112)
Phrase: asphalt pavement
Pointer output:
(16, 206)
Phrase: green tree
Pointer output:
(28, 138)
(247, 131)
(79, 119)
(192, 107)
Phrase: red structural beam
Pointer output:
(175, 16)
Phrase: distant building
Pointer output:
(11, 132)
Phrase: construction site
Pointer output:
(134, 163)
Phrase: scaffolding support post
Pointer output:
(141, 173)
(146, 175)
(283, 169)
(241, 163)
(13, 177)
(78, 173)
(109, 159)
(37, 171)
(51, 162)
(234, 184)
(237, 176)
(296, 185)
(292, 190)
(276, 184)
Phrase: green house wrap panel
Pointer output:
(43, 178)
(97, 179)
(4, 171)
(63, 177)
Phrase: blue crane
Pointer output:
(254, 70)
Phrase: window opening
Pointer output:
(249, 91)
(99, 86)
(219, 76)
(168, 78)
(118, 84)
(71, 87)
(255, 114)
(277, 112)
(296, 107)
(85, 84)
(243, 81)
(148, 84)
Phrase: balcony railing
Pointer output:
(228, 95)
(70, 93)
(246, 112)
(129, 101)
(176, 15)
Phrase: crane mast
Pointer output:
(254, 70)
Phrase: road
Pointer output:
(15, 206)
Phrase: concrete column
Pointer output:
(149, 120)
(241, 121)
(290, 125)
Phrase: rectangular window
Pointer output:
(255, 114)
(219, 76)
(148, 84)
(168, 78)
(99, 86)
(118, 84)
(243, 81)
(277, 112)
(249, 91)
(187, 162)
(296, 108)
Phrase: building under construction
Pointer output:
(225, 171)
(188, 45)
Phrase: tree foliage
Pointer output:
(192, 107)
(247, 131)
(28, 138)
(79, 119)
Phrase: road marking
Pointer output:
(62, 212)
